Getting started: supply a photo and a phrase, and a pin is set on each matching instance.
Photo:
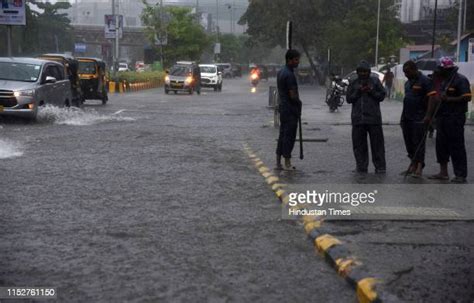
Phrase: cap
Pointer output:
(446, 62)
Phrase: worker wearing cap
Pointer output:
(451, 101)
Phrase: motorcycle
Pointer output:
(335, 97)
(254, 78)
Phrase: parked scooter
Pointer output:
(335, 98)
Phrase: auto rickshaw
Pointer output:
(305, 75)
(92, 73)
(71, 70)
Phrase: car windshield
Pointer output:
(179, 71)
(87, 68)
(208, 69)
(19, 71)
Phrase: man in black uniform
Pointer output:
(365, 94)
(418, 89)
(290, 109)
(454, 93)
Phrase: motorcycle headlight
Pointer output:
(167, 80)
(24, 93)
(189, 80)
(254, 76)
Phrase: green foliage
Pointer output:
(134, 77)
(187, 40)
(348, 27)
(42, 30)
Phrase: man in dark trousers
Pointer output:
(365, 94)
(418, 89)
(453, 96)
(388, 81)
(290, 109)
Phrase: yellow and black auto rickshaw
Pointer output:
(92, 72)
(71, 70)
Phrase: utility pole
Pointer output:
(229, 6)
(377, 39)
(197, 6)
(9, 40)
(117, 36)
(434, 28)
(114, 52)
(464, 19)
(76, 12)
(217, 21)
(216, 47)
(458, 48)
(161, 32)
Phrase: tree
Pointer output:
(348, 27)
(186, 39)
(46, 29)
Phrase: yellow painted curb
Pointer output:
(344, 266)
(311, 218)
(324, 242)
(264, 169)
(278, 186)
(308, 227)
(285, 200)
(365, 290)
(267, 175)
(112, 87)
(272, 180)
(280, 193)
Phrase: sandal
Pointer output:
(438, 177)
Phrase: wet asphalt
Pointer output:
(152, 199)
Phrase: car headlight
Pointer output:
(24, 93)
(167, 80)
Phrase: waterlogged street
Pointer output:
(152, 198)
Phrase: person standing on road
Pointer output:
(388, 81)
(418, 89)
(365, 94)
(449, 107)
(290, 109)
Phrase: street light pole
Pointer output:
(464, 19)
(117, 36)
(9, 40)
(377, 39)
(458, 48)
(114, 54)
(434, 28)
(217, 21)
(233, 16)
(161, 33)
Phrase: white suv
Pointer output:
(211, 76)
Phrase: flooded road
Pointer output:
(151, 199)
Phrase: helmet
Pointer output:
(446, 62)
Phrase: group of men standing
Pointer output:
(443, 98)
